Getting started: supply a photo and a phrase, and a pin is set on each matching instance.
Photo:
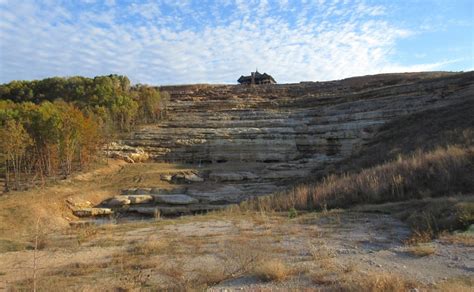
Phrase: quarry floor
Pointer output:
(219, 251)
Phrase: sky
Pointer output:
(199, 41)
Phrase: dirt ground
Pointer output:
(223, 251)
(229, 250)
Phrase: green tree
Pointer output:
(149, 103)
(124, 110)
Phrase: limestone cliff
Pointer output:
(258, 138)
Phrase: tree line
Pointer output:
(56, 125)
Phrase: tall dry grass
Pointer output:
(440, 172)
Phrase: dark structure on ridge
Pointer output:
(256, 78)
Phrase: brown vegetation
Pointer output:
(421, 250)
(437, 173)
(373, 282)
(272, 270)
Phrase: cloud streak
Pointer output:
(160, 42)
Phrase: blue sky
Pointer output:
(203, 41)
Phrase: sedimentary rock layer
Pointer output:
(282, 123)
(268, 135)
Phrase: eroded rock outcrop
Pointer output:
(261, 138)
(125, 152)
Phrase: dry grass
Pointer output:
(459, 238)
(209, 276)
(149, 247)
(436, 173)
(375, 282)
(79, 269)
(241, 255)
(421, 250)
(320, 251)
(461, 284)
(272, 270)
(7, 245)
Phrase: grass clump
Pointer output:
(421, 250)
(150, 247)
(272, 270)
(374, 282)
(292, 213)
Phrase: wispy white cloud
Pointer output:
(163, 42)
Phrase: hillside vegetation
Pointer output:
(55, 126)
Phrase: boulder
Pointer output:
(192, 177)
(91, 212)
(119, 201)
(140, 199)
(75, 203)
(175, 199)
(127, 153)
(166, 177)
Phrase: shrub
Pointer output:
(272, 270)
(292, 213)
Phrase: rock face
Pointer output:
(287, 123)
(260, 138)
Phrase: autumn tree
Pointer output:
(14, 140)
